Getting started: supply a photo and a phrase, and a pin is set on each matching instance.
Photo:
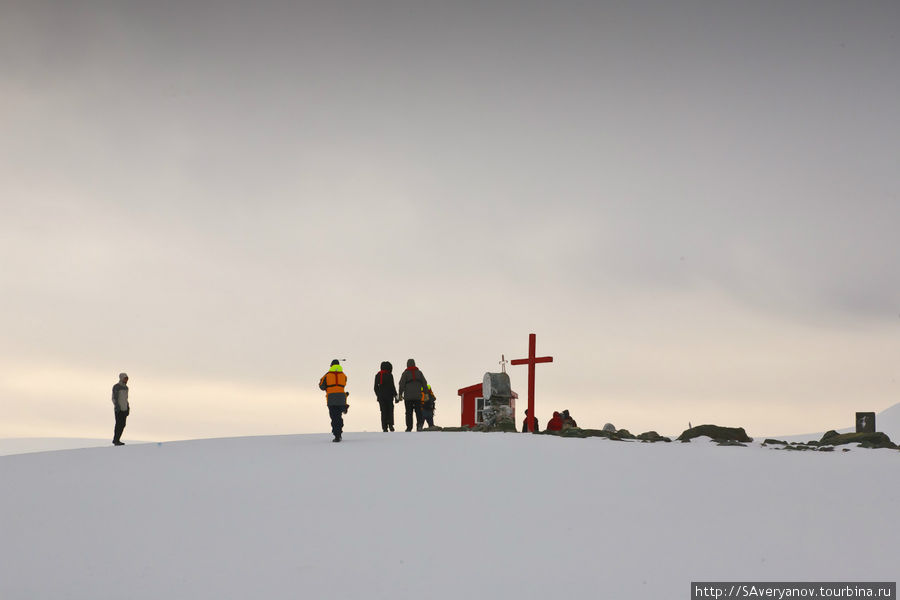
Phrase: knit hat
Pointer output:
(123, 376)
(335, 362)
(411, 362)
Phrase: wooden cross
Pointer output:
(531, 361)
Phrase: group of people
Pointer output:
(414, 392)
(560, 421)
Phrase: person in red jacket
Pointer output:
(556, 423)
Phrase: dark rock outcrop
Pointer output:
(865, 440)
(717, 433)
(652, 436)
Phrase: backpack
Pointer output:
(418, 381)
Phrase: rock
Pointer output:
(798, 447)
(771, 441)
(594, 433)
(577, 432)
(573, 432)
(717, 433)
(829, 434)
(652, 436)
(865, 440)
(730, 443)
(609, 427)
(624, 434)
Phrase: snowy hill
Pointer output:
(887, 421)
(438, 515)
(23, 445)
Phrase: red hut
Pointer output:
(472, 404)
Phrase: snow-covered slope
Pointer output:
(438, 515)
(887, 421)
(23, 445)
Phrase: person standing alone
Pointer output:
(412, 387)
(121, 407)
(386, 393)
(333, 383)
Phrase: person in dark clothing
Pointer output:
(333, 383)
(556, 423)
(121, 407)
(386, 393)
(567, 421)
(412, 386)
(525, 423)
(428, 407)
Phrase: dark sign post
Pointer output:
(865, 422)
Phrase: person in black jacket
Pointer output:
(525, 423)
(412, 391)
(121, 407)
(386, 393)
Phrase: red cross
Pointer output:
(531, 361)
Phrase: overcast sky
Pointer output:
(694, 205)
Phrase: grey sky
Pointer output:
(693, 204)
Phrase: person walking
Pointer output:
(412, 386)
(333, 383)
(121, 408)
(428, 407)
(386, 393)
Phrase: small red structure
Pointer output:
(472, 405)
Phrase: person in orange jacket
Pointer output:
(333, 383)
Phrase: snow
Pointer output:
(438, 515)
